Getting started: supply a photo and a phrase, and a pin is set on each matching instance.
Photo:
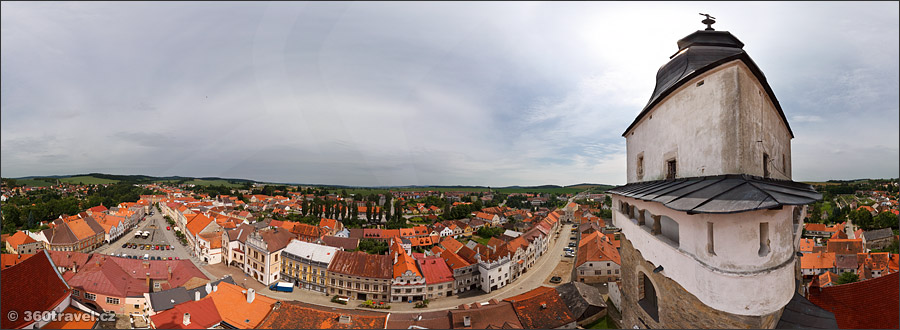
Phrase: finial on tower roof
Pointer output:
(709, 21)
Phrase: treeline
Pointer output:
(26, 212)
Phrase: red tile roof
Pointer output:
(8, 259)
(845, 246)
(78, 320)
(298, 315)
(450, 244)
(231, 302)
(435, 270)
(495, 314)
(869, 304)
(541, 308)
(203, 315)
(32, 285)
(196, 224)
(361, 264)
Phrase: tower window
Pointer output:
(763, 239)
(783, 164)
(710, 245)
(700, 83)
(765, 165)
(670, 169)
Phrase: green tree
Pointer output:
(885, 220)
(847, 277)
(12, 216)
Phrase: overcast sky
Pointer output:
(415, 93)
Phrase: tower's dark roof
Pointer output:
(697, 53)
(731, 193)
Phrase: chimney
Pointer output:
(467, 321)
(544, 306)
(344, 319)
(169, 277)
(196, 295)
(215, 288)
(187, 319)
(208, 288)
(251, 294)
(148, 279)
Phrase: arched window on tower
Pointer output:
(647, 296)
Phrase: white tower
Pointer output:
(710, 217)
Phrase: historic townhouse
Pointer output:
(306, 265)
(360, 276)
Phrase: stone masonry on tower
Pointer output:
(710, 217)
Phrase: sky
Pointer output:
(379, 94)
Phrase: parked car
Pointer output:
(124, 245)
(146, 256)
(170, 258)
(572, 244)
(570, 255)
(168, 227)
(177, 258)
(282, 286)
(555, 279)
(568, 249)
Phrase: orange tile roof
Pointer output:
(827, 278)
(231, 302)
(72, 318)
(807, 244)
(19, 238)
(330, 223)
(405, 263)
(10, 259)
(869, 304)
(453, 260)
(820, 260)
(451, 244)
(845, 246)
(196, 224)
(81, 229)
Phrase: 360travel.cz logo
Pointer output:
(53, 316)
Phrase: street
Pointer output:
(535, 277)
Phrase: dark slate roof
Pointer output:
(800, 313)
(730, 193)
(698, 53)
(165, 300)
(878, 234)
(579, 297)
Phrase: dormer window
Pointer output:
(670, 169)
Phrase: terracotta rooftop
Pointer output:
(845, 246)
(36, 286)
(231, 302)
(361, 264)
(19, 238)
(203, 315)
(79, 320)
(869, 304)
(435, 270)
(494, 313)
(299, 315)
(429, 320)
(541, 308)
(8, 259)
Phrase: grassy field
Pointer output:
(87, 180)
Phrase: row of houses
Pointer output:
(82, 232)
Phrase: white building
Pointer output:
(710, 219)
(493, 275)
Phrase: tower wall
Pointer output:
(735, 279)
(678, 308)
(711, 129)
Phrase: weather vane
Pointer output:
(709, 21)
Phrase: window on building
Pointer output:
(765, 165)
(647, 295)
(75, 293)
(112, 301)
(671, 169)
(90, 296)
(710, 241)
(763, 239)
(137, 306)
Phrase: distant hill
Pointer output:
(102, 178)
